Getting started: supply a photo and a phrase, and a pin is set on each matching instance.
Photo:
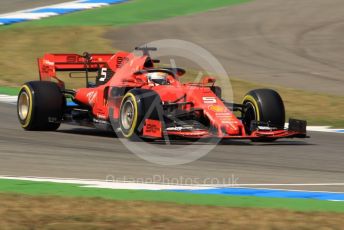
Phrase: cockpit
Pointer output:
(157, 78)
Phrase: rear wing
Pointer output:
(50, 64)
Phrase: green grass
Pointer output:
(12, 91)
(133, 12)
(72, 190)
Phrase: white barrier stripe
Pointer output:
(55, 6)
(30, 14)
(79, 5)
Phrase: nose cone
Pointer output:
(232, 128)
(224, 119)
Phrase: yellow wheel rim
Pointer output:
(25, 106)
(129, 114)
(253, 101)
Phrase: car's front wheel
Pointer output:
(138, 105)
(263, 105)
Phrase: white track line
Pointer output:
(8, 99)
(90, 183)
(331, 196)
(107, 184)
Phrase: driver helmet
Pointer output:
(159, 78)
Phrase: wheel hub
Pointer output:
(127, 115)
(23, 105)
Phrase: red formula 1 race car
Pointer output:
(134, 97)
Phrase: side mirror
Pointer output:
(208, 80)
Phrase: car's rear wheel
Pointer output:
(40, 106)
(263, 105)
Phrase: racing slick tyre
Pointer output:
(40, 106)
(137, 106)
(263, 105)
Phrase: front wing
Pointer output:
(296, 129)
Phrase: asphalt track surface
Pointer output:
(294, 43)
(7, 6)
(74, 152)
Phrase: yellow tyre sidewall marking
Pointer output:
(132, 128)
(251, 99)
(28, 118)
